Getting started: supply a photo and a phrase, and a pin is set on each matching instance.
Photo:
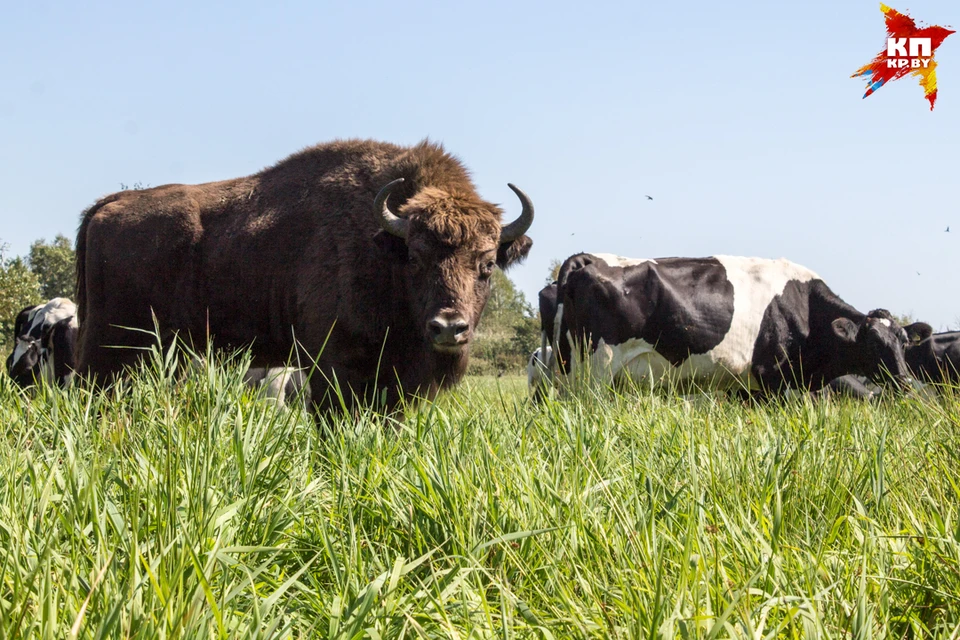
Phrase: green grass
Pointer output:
(185, 508)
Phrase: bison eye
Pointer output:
(416, 260)
(486, 269)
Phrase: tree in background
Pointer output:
(508, 331)
(19, 288)
(554, 271)
(903, 319)
(54, 265)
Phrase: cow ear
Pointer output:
(21, 321)
(918, 331)
(845, 329)
(393, 246)
(512, 252)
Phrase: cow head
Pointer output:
(918, 332)
(23, 364)
(45, 342)
(874, 346)
(451, 243)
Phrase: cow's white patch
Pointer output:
(556, 323)
(48, 366)
(538, 372)
(20, 349)
(884, 322)
(23, 343)
(619, 261)
(278, 384)
(756, 281)
(636, 359)
(56, 310)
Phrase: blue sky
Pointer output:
(739, 118)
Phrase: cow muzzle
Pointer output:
(904, 383)
(448, 332)
(22, 363)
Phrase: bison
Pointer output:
(369, 259)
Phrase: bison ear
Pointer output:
(514, 251)
(391, 245)
(918, 331)
(845, 329)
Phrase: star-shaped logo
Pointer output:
(909, 51)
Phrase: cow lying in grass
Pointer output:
(721, 322)
(933, 357)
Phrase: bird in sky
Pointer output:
(947, 229)
(649, 198)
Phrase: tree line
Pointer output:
(46, 272)
(509, 330)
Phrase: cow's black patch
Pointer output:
(547, 299)
(809, 336)
(681, 306)
(936, 358)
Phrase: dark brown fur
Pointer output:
(296, 251)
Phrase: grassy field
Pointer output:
(189, 509)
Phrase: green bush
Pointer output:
(19, 288)
(54, 265)
(508, 331)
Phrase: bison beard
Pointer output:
(371, 259)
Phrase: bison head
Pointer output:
(452, 241)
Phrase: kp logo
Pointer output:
(909, 50)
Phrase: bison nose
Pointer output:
(448, 330)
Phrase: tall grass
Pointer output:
(180, 506)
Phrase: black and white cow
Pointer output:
(279, 383)
(722, 321)
(541, 363)
(45, 339)
(538, 371)
(933, 357)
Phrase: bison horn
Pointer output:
(389, 222)
(519, 226)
